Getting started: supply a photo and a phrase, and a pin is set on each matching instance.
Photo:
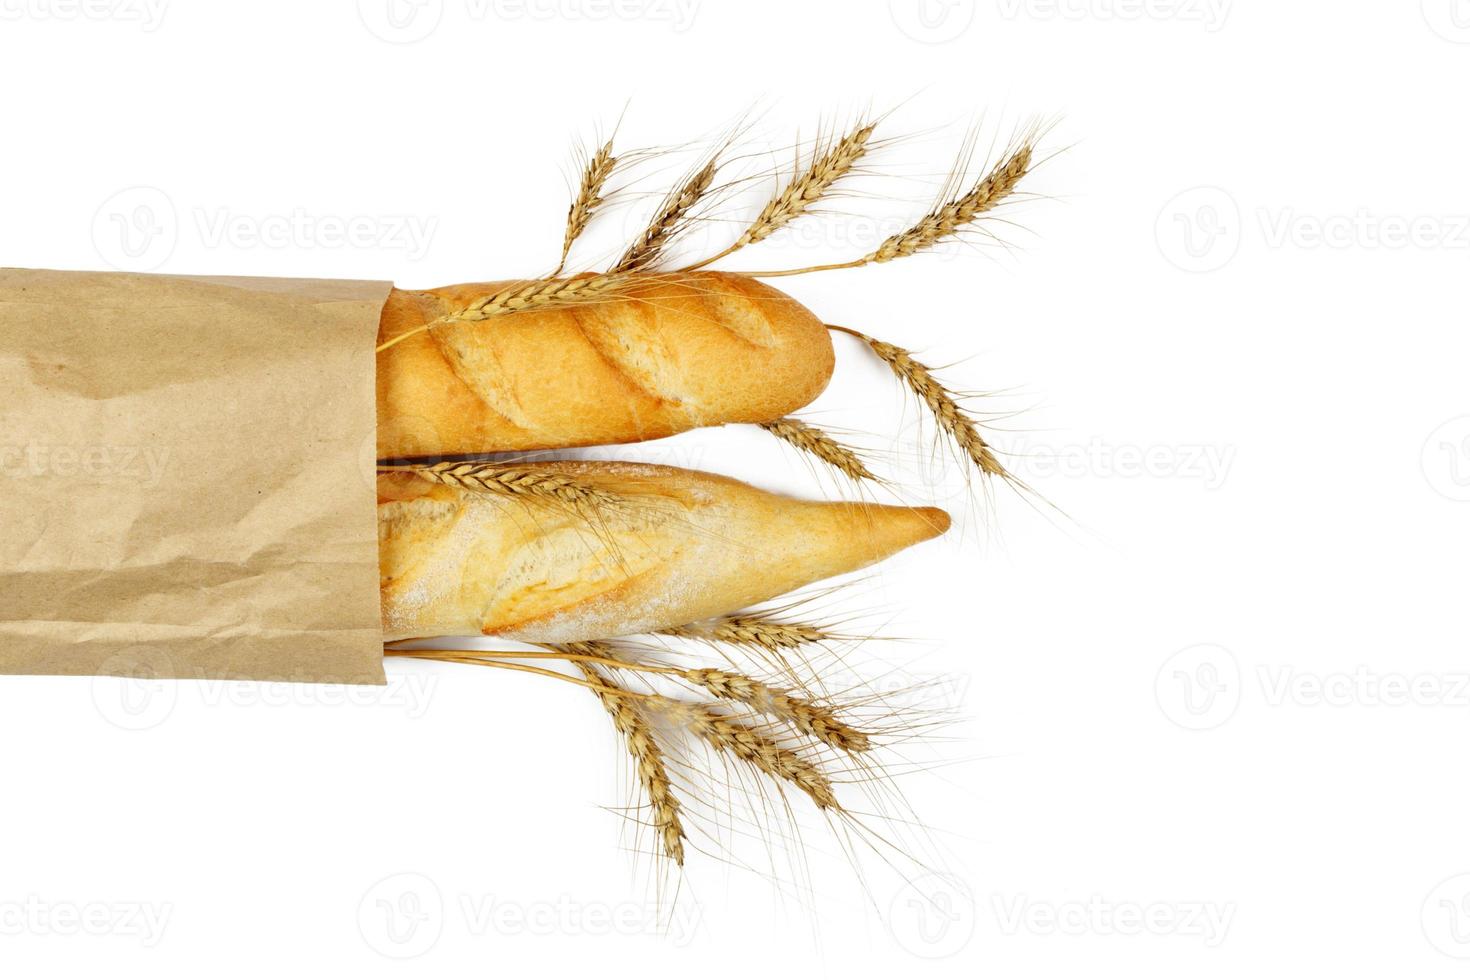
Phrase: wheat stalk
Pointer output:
(725, 734)
(589, 198)
(939, 400)
(514, 480)
(652, 773)
(752, 631)
(810, 439)
(669, 220)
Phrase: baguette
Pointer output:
(672, 353)
(677, 547)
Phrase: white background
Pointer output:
(1210, 723)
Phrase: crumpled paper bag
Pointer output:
(186, 480)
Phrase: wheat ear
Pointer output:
(725, 734)
(945, 220)
(668, 221)
(753, 631)
(807, 186)
(805, 716)
(589, 198)
(812, 440)
(949, 218)
(637, 734)
(728, 734)
(527, 294)
(939, 400)
(515, 480)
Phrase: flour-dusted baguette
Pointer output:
(669, 354)
(674, 547)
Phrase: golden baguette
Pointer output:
(676, 547)
(670, 353)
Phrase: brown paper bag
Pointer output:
(186, 482)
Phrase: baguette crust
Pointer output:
(675, 353)
(679, 547)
